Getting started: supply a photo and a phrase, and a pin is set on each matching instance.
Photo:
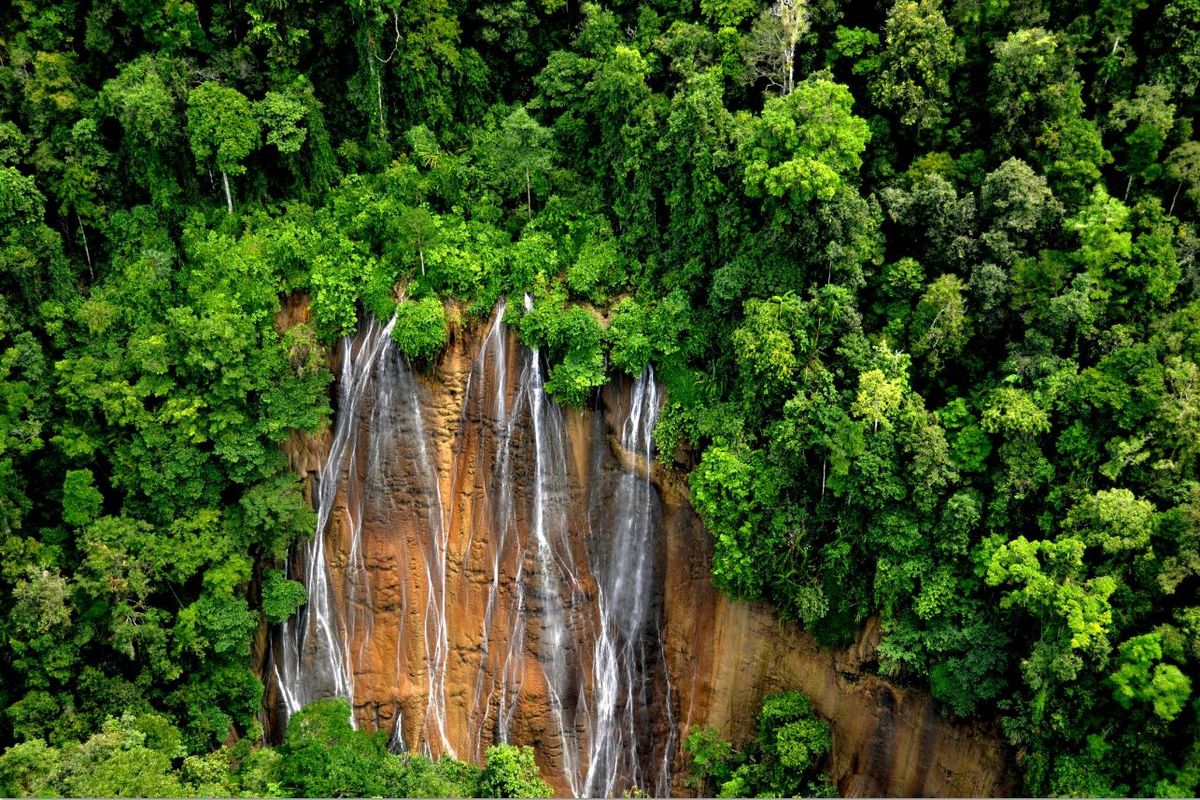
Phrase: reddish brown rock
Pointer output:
(721, 656)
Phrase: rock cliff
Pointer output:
(493, 567)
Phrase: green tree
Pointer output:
(81, 500)
(1075, 612)
(771, 49)
(805, 145)
(282, 115)
(324, 756)
(222, 130)
(1142, 676)
(122, 760)
(878, 398)
(782, 761)
(710, 756)
(1183, 168)
(919, 56)
(147, 98)
(1147, 118)
(420, 329)
(519, 155)
(940, 325)
(1032, 84)
(281, 597)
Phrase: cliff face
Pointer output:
(493, 567)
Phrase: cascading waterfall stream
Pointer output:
(565, 638)
(622, 663)
(492, 366)
(554, 568)
(315, 658)
(436, 634)
(318, 626)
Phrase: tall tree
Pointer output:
(222, 129)
(519, 154)
(920, 55)
(771, 48)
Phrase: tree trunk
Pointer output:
(1128, 186)
(1174, 197)
(228, 194)
(379, 100)
(421, 257)
(86, 250)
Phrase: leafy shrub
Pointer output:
(573, 341)
(336, 284)
(324, 756)
(414, 775)
(420, 329)
(643, 331)
(725, 494)
(581, 370)
(511, 772)
(533, 257)
(710, 756)
(281, 597)
(782, 761)
(464, 256)
(597, 270)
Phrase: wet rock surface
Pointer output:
(495, 568)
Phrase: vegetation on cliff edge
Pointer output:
(920, 278)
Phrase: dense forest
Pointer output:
(919, 277)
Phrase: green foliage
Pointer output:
(940, 326)
(511, 772)
(1046, 574)
(81, 499)
(222, 128)
(641, 332)
(581, 369)
(420, 329)
(784, 760)
(709, 759)
(143, 755)
(878, 398)
(597, 268)
(919, 56)
(324, 756)
(282, 115)
(520, 156)
(805, 144)
(1141, 676)
(573, 338)
(926, 322)
(281, 597)
(724, 494)
(1032, 85)
(417, 776)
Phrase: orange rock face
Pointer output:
(492, 567)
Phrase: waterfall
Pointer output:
(312, 658)
(628, 647)
(556, 573)
(502, 690)
(433, 557)
(510, 594)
